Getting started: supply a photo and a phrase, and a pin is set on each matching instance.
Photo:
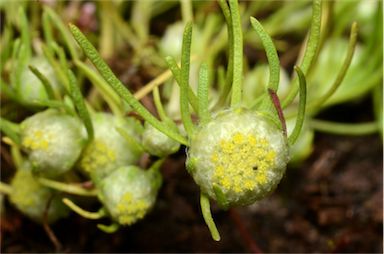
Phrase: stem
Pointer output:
(67, 188)
(109, 228)
(56, 20)
(276, 103)
(105, 90)
(186, 11)
(206, 211)
(12, 130)
(184, 78)
(22, 57)
(202, 93)
(5, 188)
(302, 103)
(54, 104)
(273, 59)
(353, 129)
(47, 28)
(229, 76)
(47, 228)
(25, 33)
(176, 71)
(16, 156)
(78, 100)
(155, 167)
(107, 35)
(59, 71)
(152, 84)
(126, 32)
(131, 140)
(120, 89)
(343, 71)
(310, 51)
(44, 81)
(245, 234)
(86, 214)
(159, 106)
(237, 53)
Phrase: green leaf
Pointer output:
(202, 93)
(185, 62)
(310, 51)
(302, 105)
(119, 88)
(78, 100)
(273, 59)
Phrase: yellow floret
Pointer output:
(130, 210)
(96, 156)
(37, 140)
(241, 162)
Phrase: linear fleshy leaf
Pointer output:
(237, 53)
(310, 51)
(343, 70)
(172, 65)
(302, 105)
(273, 59)
(44, 81)
(184, 78)
(119, 88)
(78, 100)
(202, 93)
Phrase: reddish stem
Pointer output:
(276, 103)
(245, 235)
(48, 229)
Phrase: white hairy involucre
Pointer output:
(157, 143)
(129, 193)
(53, 141)
(110, 150)
(238, 157)
(30, 197)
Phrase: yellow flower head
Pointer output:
(129, 193)
(238, 157)
(53, 141)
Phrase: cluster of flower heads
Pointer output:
(55, 144)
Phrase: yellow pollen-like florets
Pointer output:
(131, 210)
(97, 156)
(241, 162)
(37, 140)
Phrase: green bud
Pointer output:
(129, 193)
(53, 141)
(157, 143)
(109, 150)
(238, 157)
(31, 198)
(31, 89)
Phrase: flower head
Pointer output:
(53, 141)
(109, 150)
(129, 193)
(157, 143)
(30, 197)
(238, 157)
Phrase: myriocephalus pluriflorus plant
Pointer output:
(237, 155)
(70, 135)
